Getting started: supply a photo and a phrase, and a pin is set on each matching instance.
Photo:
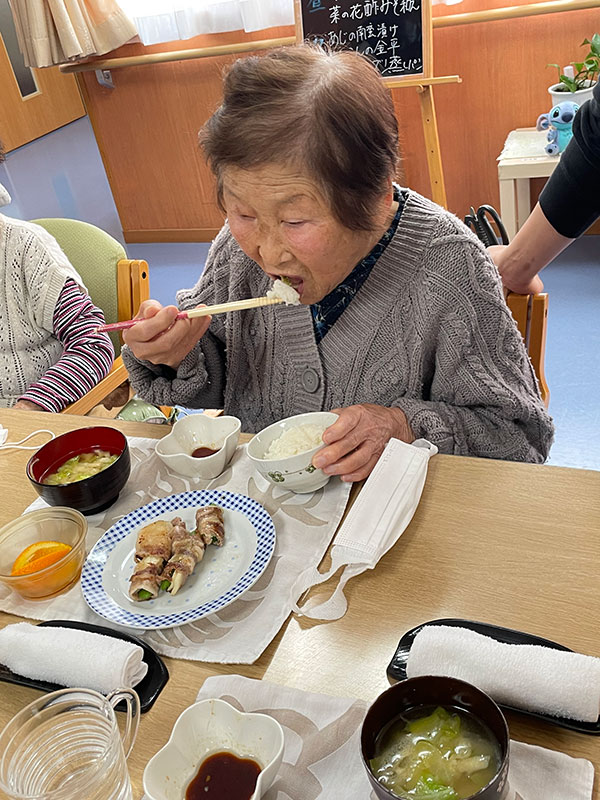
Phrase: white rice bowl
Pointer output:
(294, 441)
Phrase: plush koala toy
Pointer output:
(559, 121)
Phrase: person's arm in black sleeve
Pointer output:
(568, 205)
(571, 198)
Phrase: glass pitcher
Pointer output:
(67, 746)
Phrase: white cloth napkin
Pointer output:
(321, 752)
(379, 516)
(322, 758)
(239, 633)
(536, 773)
(71, 657)
(520, 675)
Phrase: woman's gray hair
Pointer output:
(326, 112)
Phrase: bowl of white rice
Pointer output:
(283, 452)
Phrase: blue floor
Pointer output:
(171, 266)
(61, 175)
(573, 353)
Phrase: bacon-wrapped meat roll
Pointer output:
(210, 525)
(152, 550)
(188, 550)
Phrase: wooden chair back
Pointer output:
(531, 315)
(133, 287)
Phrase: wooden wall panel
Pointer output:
(146, 127)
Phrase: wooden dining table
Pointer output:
(511, 544)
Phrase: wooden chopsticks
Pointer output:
(203, 311)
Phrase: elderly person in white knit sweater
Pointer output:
(50, 351)
(402, 327)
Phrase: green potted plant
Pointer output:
(576, 82)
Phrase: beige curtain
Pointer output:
(57, 31)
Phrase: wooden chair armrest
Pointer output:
(115, 377)
(519, 308)
(537, 341)
(530, 312)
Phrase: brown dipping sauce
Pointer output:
(203, 452)
(224, 776)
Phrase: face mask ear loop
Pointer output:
(19, 445)
(336, 605)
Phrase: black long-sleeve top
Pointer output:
(571, 198)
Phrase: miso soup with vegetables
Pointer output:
(440, 754)
(80, 467)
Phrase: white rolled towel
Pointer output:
(71, 657)
(527, 676)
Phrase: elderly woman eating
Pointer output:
(402, 327)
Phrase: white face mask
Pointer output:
(377, 519)
(4, 445)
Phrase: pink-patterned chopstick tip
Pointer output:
(129, 323)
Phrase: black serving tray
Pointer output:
(147, 689)
(396, 670)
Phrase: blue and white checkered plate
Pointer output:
(221, 577)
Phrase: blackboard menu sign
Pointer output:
(393, 33)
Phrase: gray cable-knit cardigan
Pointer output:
(428, 332)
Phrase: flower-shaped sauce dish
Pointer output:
(205, 729)
(200, 446)
(294, 441)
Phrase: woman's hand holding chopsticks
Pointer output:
(161, 338)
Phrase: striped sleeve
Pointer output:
(87, 356)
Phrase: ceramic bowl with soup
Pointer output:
(83, 469)
(283, 452)
(41, 553)
(436, 737)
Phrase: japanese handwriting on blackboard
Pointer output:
(368, 9)
(388, 31)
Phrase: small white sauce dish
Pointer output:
(293, 472)
(198, 430)
(208, 727)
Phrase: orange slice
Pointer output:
(38, 556)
